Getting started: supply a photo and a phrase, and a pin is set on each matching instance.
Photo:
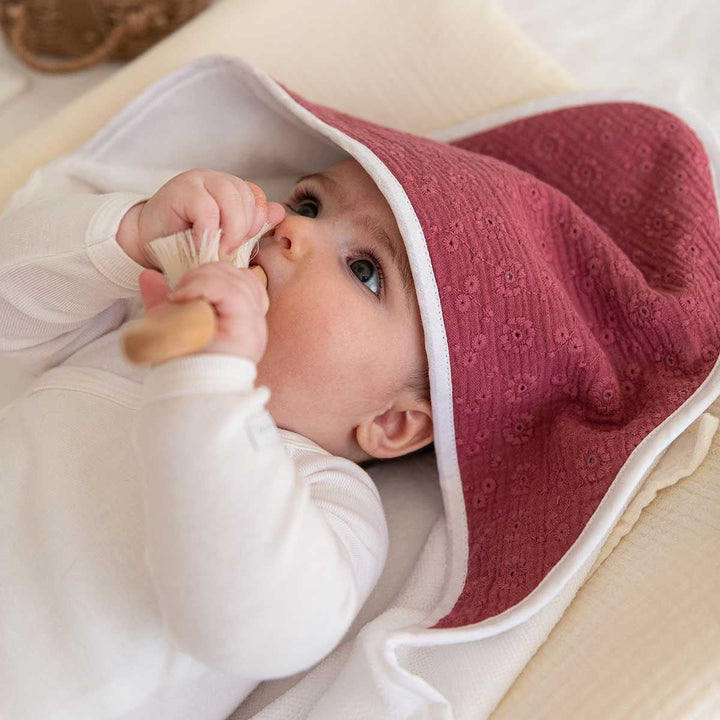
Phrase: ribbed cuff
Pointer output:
(101, 243)
(201, 374)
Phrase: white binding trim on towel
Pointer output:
(645, 456)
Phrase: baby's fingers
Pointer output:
(236, 207)
(201, 212)
(276, 213)
(244, 214)
(229, 289)
(153, 288)
(270, 212)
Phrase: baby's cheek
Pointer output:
(348, 350)
(326, 346)
(299, 340)
(357, 359)
(329, 345)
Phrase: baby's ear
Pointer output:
(405, 427)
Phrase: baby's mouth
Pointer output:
(255, 265)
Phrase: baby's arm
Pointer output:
(71, 259)
(260, 562)
(64, 281)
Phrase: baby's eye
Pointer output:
(368, 271)
(303, 203)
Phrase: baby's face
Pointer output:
(344, 331)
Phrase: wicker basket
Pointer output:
(85, 32)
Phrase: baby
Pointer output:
(175, 535)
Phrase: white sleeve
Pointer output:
(260, 563)
(64, 280)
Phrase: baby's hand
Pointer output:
(238, 297)
(203, 200)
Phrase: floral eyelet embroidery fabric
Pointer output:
(577, 254)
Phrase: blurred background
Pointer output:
(663, 46)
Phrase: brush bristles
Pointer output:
(176, 254)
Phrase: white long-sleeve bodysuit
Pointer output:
(164, 546)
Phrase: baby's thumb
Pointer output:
(276, 213)
(153, 288)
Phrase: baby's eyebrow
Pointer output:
(394, 248)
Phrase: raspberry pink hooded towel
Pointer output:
(567, 268)
(576, 264)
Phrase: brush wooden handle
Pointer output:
(170, 331)
(173, 330)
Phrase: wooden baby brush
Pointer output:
(178, 329)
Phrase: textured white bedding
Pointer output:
(663, 46)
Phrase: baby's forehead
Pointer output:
(359, 190)
(351, 172)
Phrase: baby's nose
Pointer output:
(277, 237)
(295, 239)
